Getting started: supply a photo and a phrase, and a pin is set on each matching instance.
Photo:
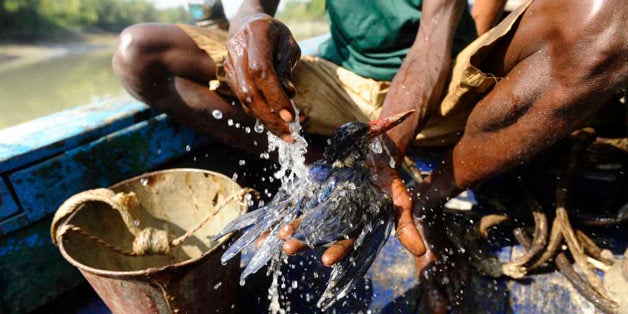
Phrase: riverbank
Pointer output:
(18, 55)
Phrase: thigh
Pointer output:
(166, 48)
(330, 96)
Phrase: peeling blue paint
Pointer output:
(14, 245)
(44, 137)
(118, 156)
(8, 206)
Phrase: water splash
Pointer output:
(273, 290)
(291, 157)
(376, 146)
(259, 127)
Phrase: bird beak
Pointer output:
(380, 126)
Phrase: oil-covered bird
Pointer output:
(336, 201)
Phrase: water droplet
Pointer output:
(376, 146)
(392, 163)
(242, 162)
(295, 284)
(188, 148)
(217, 114)
(136, 223)
(229, 122)
(247, 129)
(216, 286)
(144, 181)
(258, 127)
(237, 125)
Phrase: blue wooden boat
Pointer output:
(45, 161)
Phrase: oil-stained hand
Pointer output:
(443, 269)
(261, 56)
(389, 181)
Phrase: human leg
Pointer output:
(162, 66)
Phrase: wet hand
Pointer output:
(261, 56)
(389, 181)
(443, 270)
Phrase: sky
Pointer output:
(230, 6)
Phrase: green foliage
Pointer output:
(53, 19)
(303, 10)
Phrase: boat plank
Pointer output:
(13, 224)
(41, 138)
(8, 206)
(33, 271)
(128, 152)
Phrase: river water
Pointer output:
(73, 77)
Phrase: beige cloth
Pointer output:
(331, 95)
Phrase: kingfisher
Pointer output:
(336, 200)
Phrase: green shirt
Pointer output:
(372, 37)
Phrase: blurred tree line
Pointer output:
(305, 18)
(25, 20)
(300, 10)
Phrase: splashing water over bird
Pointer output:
(335, 199)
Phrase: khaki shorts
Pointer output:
(331, 95)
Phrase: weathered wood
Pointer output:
(14, 223)
(120, 155)
(53, 134)
(32, 271)
(8, 206)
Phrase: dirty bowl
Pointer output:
(95, 238)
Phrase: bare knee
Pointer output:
(132, 43)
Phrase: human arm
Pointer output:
(485, 13)
(261, 55)
(421, 80)
(544, 97)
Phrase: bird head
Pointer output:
(350, 141)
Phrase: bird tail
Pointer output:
(352, 268)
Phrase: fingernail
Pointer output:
(285, 115)
(287, 138)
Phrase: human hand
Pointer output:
(443, 269)
(389, 181)
(261, 56)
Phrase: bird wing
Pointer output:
(285, 206)
(352, 268)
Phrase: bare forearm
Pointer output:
(421, 80)
(526, 112)
(486, 13)
(250, 7)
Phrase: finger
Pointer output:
(270, 119)
(266, 79)
(288, 54)
(243, 86)
(408, 234)
(261, 238)
(434, 299)
(287, 230)
(337, 251)
(406, 231)
(293, 246)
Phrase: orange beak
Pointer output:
(380, 126)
